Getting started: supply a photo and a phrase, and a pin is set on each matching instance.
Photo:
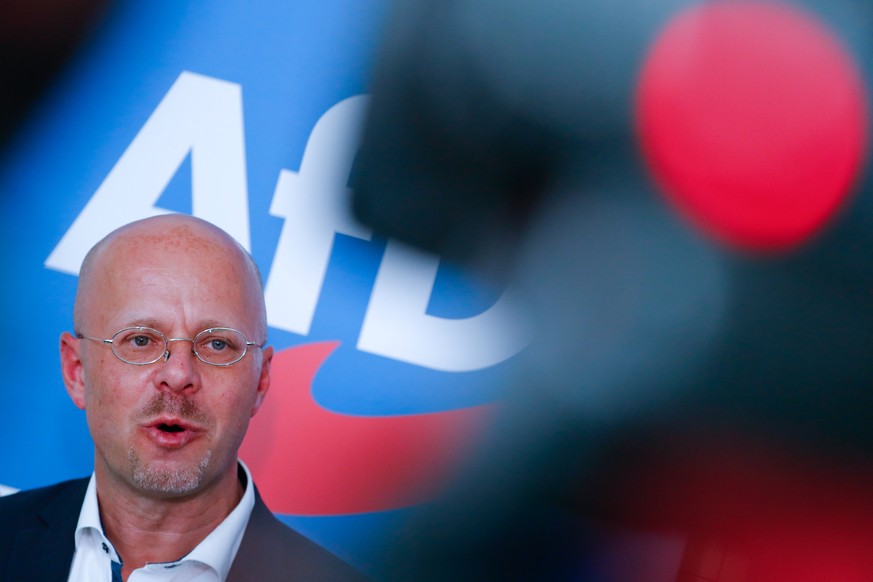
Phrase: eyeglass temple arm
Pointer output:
(93, 339)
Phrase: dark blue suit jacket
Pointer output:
(37, 542)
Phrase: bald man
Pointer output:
(169, 362)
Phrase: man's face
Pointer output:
(172, 427)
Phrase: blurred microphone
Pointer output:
(679, 191)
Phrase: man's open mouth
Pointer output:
(172, 433)
(170, 427)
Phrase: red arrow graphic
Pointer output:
(308, 460)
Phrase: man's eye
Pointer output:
(217, 344)
(141, 341)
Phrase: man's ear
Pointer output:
(264, 379)
(71, 369)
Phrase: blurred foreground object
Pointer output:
(36, 41)
(679, 190)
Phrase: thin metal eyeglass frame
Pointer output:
(166, 354)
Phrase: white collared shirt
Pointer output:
(209, 561)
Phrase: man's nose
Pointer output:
(168, 352)
(179, 370)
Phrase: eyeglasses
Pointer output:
(216, 346)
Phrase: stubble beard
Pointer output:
(159, 478)
(163, 480)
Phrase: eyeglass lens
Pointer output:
(143, 345)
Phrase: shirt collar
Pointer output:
(217, 550)
(89, 520)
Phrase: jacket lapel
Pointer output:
(272, 552)
(43, 550)
(257, 549)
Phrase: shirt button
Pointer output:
(105, 547)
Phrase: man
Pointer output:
(169, 363)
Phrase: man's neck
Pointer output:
(152, 529)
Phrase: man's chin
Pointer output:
(168, 478)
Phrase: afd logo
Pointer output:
(303, 454)
(203, 117)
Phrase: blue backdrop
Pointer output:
(212, 109)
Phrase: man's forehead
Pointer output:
(172, 264)
(152, 240)
(156, 234)
(170, 256)
(187, 237)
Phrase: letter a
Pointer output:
(200, 115)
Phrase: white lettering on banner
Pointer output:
(200, 115)
(397, 325)
(6, 490)
(203, 116)
(315, 205)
